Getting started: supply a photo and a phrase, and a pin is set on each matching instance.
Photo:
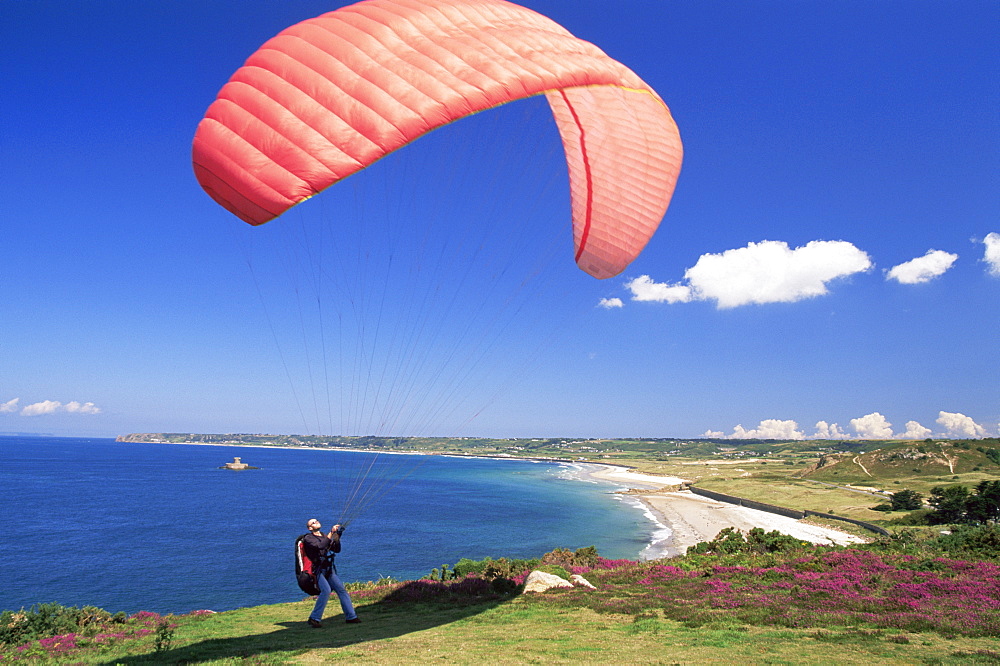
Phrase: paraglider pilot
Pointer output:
(320, 549)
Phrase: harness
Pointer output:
(306, 571)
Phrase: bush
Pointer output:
(731, 541)
(489, 568)
(563, 557)
(585, 557)
(560, 557)
(906, 500)
(18, 627)
(956, 504)
(972, 541)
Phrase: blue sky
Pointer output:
(824, 267)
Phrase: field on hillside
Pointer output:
(757, 599)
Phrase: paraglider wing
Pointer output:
(331, 95)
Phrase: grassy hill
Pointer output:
(752, 599)
(920, 465)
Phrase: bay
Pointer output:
(159, 527)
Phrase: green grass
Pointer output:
(800, 494)
(519, 632)
(674, 619)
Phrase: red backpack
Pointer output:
(304, 573)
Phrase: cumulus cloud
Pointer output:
(9, 407)
(608, 303)
(644, 289)
(872, 426)
(915, 431)
(922, 269)
(53, 406)
(44, 407)
(771, 272)
(764, 272)
(769, 429)
(85, 408)
(826, 430)
(992, 254)
(960, 425)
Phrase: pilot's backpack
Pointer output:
(304, 573)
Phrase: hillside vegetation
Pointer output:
(755, 598)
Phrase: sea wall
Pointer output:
(860, 523)
(750, 504)
(782, 511)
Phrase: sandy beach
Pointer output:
(691, 518)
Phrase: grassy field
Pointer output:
(772, 600)
(801, 494)
(519, 632)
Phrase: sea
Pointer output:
(161, 528)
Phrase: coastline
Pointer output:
(680, 519)
(684, 519)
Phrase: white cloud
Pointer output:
(644, 289)
(769, 429)
(52, 407)
(9, 407)
(771, 272)
(86, 408)
(44, 407)
(872, 426)
(915, 431)
(922, 269)
(608, 303)
(992, 254)
(960, 425)
(826, 430)
(764, 272)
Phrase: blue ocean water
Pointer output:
(159, 527)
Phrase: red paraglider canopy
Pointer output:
(331, 95)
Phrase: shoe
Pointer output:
(316, 624)
(356, 620)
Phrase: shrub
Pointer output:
(560, 557)
(585, 557)
(732, 541)
(906, 500)
(972, 541)
(50, 620)
(502, 568)
(956, 504)
(490, 568)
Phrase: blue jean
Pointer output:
(329, 581)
